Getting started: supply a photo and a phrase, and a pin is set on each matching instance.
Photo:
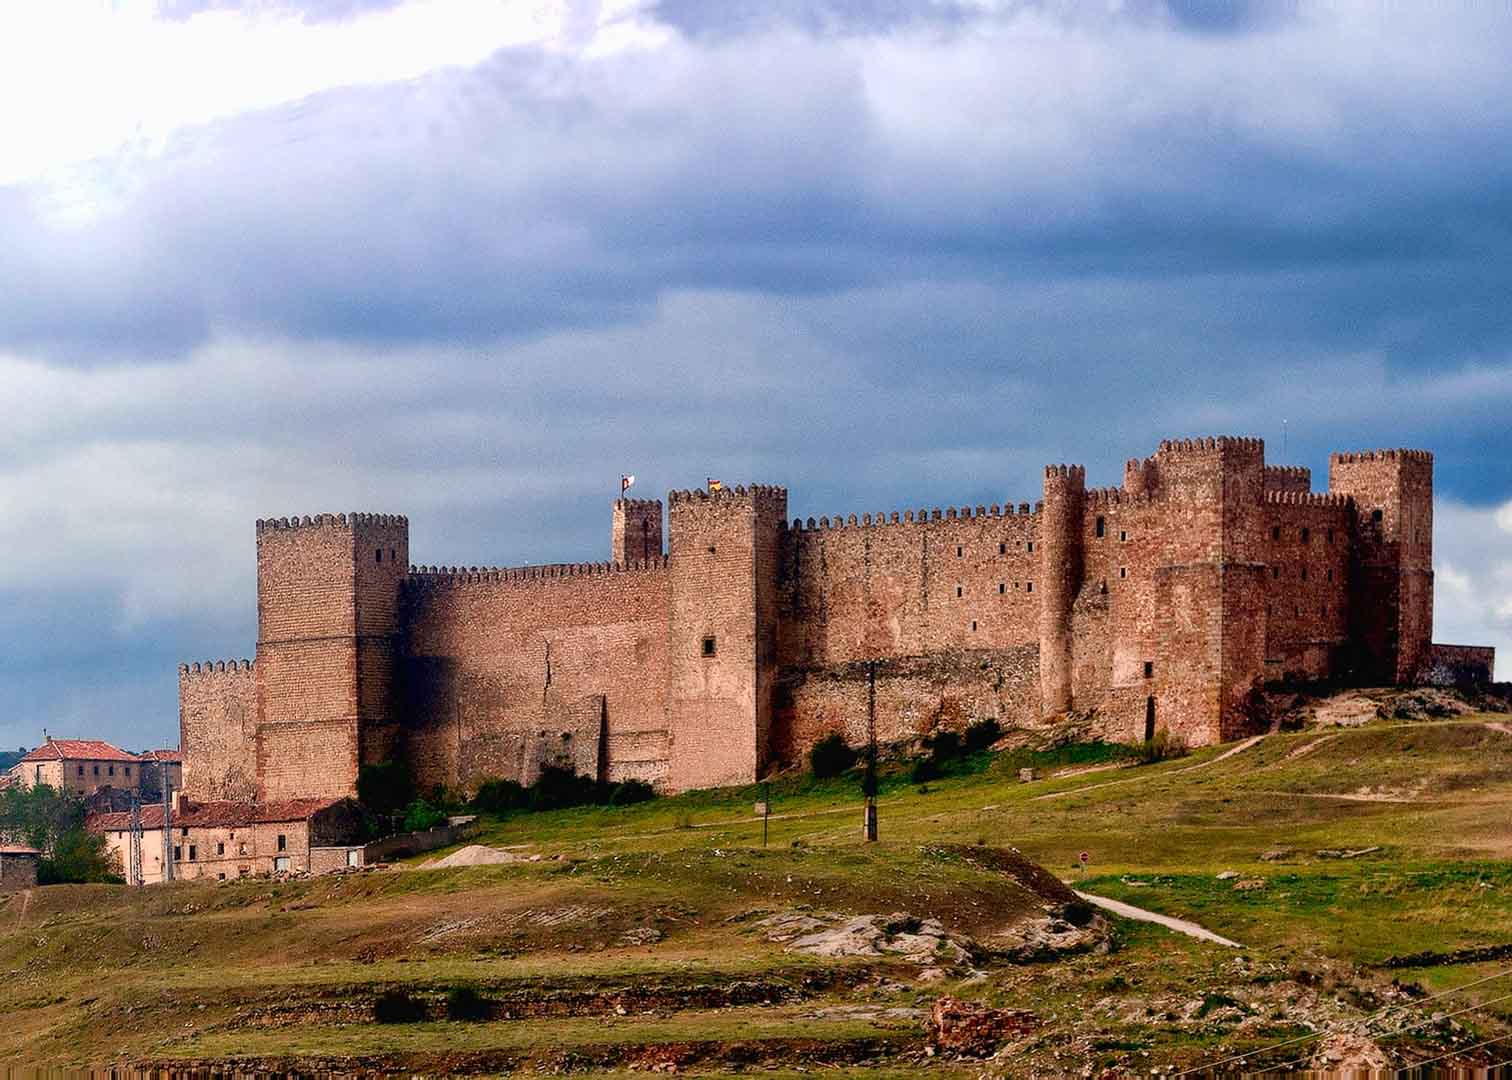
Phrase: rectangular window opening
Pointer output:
(1149, 731)
(1002, 549)
(1275, 532)
(1102, 527)
(1029, 586)
(959, 551)
(1304, 573)
(1123, 534)
(193, 852)
(1002, 587)
(1031, 545)
(709, 646)
(378, 555)
(1149, 669)
(973, 626)
(283, 842)
(1306, 536)
(1123, 571)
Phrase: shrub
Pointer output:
(463, 1003)
(944, 746)
(924, 769)
(557, 787)
(397, 1007)
(421, 815)
(830, 756)
(387, 788)
(631, 791)
(500, 796)
(1162, 747)
(981, 734)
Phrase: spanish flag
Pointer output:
(715, 485)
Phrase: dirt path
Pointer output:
(1181, 926)
(1230, 752)
(1503, 728)
(1307, 748)
(1345, 796)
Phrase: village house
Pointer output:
(78, 766)
(222, 839)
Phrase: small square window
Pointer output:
(176, 852)
(193, 852)
(1275, 571)
(1002, 549)
(708, 646)
(112, 769)
(184, 831)
(1123, 571)
(97, 770)
(1376, 516)
(1002, 587)
(220, 847)
(1123, 534)
(1031, 545)
(1149, 669)
(1029, 587)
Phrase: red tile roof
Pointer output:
(78, 750)
(213, 815)
(18, 849)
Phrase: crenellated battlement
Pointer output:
(1308, 498)
(1212, 442)
(1116, 496)
(436, 576)
(329, 521)
(1066, 472)
(1349, 457)
(642, 505)
(910, 517)
(215, 667)
(740, 491)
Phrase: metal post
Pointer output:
(869, 777)
(766, 810)
(167, 821)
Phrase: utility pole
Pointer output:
(869, 777)
(134, 873)
(167, 821)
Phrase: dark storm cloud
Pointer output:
(902, 269)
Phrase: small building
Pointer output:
(223, 839)
(78, 766)
(18, 867)
(163, 766)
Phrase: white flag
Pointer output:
(625, 482)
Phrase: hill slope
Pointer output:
(665, 934)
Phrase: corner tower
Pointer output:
(1391, 581)
(1060, 540)
(636, 535)
(723, 559)
(327, 618)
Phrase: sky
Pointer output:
(469, 261)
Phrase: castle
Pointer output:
(700, 655)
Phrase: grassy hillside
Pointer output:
(630, 938)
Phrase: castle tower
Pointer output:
(1060, 553)
(636, 535)
(1391, 583)
(723, 559)
(327, 621)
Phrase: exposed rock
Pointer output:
(1248, 884)
(1052, 937)
(641, 935)
(923, 941)
(1349, 1050)
(1228, 875)
(964, 1027)
(473, 855)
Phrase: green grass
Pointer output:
(105, 973)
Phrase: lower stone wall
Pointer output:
(17, 872)
(1458, 665)
(915, 696)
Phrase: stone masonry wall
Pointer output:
(497, 666)
(218, 730)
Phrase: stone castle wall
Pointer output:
(1160, 604)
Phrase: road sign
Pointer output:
(1084, 857)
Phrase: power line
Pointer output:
(1453, 1053)
(1411, 1027)
(1319, 1034)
